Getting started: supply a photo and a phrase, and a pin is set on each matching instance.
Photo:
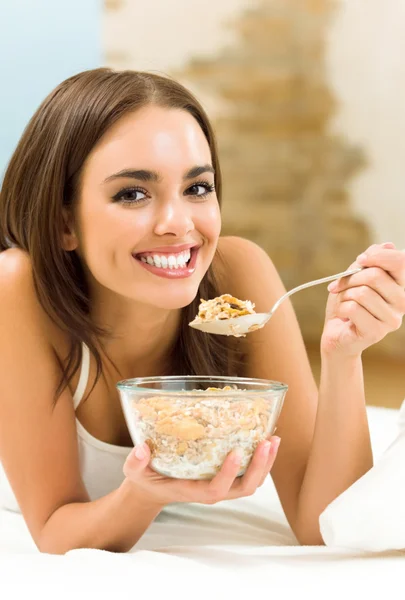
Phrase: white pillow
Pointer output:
(370, 515)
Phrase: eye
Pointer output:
(200, 189)
(130, 196)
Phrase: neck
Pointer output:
(141, 336)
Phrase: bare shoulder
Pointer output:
(246, 271)
(16, 281)
(22, 319)
(234, 248)
(15, 268)
(18, 297)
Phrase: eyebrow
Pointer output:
(145, 175)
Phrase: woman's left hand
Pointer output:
(363, 308)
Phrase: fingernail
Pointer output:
(388, 245)
(332, 286)
(276, 443)
(362, 257)
(140, 452)
(237, 456)
(266, 447)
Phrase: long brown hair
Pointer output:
(42, 179)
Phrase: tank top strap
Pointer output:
(84, 376)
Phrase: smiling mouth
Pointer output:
(169, 264)
(166, 260)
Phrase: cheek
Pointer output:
(113, 227)
(208, 221)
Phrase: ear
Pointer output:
(69, 237)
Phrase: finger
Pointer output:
(370, 249)
(339, 284)
(389, 259)
(275, 443)
(375, 249)
(218, 488)
(248, 484)
(377, 279)
(374, 304)
(137, 461)
(361, 320)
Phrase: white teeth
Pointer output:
(172, 261)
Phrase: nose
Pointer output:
(174, 218)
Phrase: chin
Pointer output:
(174, 299)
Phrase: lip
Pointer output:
(180, 273)
(168, 249)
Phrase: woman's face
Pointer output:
(148, 215)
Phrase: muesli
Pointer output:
(223, 307)
(190, 437)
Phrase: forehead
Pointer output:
(153, 137)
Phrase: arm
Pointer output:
(341, 449)
(115, 522)
(361, 310)
(325, 443)
(38, 442)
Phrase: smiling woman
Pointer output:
(115, 122)
(130, 212)
(175, 261)
(124, 167)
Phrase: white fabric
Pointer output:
(83, 377)
(234, 549)
(237, 548)
(101, 464)
(370, 515)
(302, 573)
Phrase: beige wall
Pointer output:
(366, 59)
(367, 67)
(163, 34)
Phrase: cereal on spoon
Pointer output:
(223, 308)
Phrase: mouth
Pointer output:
(175, 263)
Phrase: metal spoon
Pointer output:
(238, 326)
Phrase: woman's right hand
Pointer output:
(224, 486)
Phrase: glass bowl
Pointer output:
(192, 423)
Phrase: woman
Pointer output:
(114, 168)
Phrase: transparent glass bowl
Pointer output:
(191, 428)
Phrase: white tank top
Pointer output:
(101, 464)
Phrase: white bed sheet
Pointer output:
(239, 547)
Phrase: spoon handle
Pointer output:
(315, 282)
(312, 283)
